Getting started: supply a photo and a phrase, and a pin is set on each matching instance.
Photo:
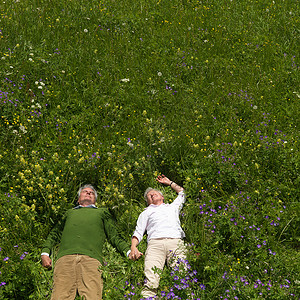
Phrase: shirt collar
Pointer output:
(91, 205)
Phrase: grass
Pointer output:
(205, 92)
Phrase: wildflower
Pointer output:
(23, 255)
(125, 80)
(130, 145)
(159, 74)
(85, 30)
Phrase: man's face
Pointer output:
(87, 197)
(154, 197)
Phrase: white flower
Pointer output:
(130, 145)
(85, 30)
(22, 128)
(125, 80)
(254, 107)
(159, 73)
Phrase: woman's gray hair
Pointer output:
(85, 187)
(150, 189)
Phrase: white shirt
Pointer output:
(161, 221)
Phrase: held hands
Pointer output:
(135, 254)
(46, 261)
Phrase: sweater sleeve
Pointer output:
(54, 236)
(113, 236)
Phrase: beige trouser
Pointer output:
(158, 252)
(77, 274)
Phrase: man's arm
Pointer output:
(52, 240)
(166, 181)
(112, 234)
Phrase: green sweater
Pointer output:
(84, 231)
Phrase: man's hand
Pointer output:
(163, 179)
(135, 254)
(46, 261)
(166, 181)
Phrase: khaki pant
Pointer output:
(158, 252)
(77, 274)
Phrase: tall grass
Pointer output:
(115, 93)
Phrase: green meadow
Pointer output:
(114, 93)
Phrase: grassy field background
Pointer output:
(115, 93)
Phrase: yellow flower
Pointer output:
(38, 168)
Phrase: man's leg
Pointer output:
(64, 278)
(176, 259)
(155, 257)
(176, 252)
(90, 284)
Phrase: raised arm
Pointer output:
(166, 181)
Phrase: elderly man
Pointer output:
(164, 233)
(81, 235)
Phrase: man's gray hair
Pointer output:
(151, 189)
(85, 187)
